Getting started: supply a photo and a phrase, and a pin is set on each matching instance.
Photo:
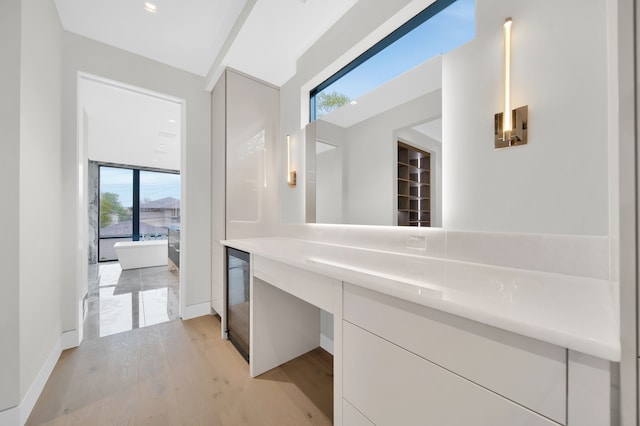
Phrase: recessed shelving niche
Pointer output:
(414, 186)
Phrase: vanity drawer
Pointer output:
(352, 417)
(308, 286)
(392, 386)
(527, 371)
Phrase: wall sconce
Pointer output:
(291, 174)
(510, 125)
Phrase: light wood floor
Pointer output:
(181, 373)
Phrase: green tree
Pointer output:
(328, 101)
(110, 204)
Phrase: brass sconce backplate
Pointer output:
(518, 135)
(292, 178)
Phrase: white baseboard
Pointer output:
(18, 415)
(70, 339)
(326, 343)
(195, 311)
(10, 417)
(32, 395)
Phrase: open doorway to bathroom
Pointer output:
(132, 142)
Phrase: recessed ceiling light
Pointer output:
(354, 102)
(150, 7)
(155, 160)
(171, 120)
(162, 145)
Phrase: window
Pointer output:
(159, 203)
(135, 205)
(441, 27)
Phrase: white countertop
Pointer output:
(578, 313)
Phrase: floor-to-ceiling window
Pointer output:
(159, 203)
(135, 205)
(115, 210)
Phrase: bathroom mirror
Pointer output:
(356, 172)
(561, 182)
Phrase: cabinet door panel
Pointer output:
(352, 417)
(392, 386)
(496, 359)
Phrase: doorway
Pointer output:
(130, 141)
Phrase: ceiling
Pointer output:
(263, 38)
(130, 127)
(194, 34)
(277, 32)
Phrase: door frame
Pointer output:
(81, 181)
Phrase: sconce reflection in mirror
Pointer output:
(291, 174)
(510, 125)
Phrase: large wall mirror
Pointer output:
(356, 172)
(374, 149)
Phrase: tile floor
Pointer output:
(124, 300)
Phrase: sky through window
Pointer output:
(443, 32)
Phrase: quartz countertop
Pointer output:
(574, 312)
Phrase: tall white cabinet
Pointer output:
(245, 133)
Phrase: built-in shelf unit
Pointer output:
(414, 186)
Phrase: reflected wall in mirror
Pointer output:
(354, 175)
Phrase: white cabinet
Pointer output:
(392, 386)
(352, 417)
(218, 169)
(245, 134)
(529, 372)
(313, 288)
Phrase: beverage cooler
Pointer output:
(238, 277)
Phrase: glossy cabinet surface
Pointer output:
(218, 196)
(392, 386)
(493, 358)
(352, 417)
(252, 134)
(245, 133)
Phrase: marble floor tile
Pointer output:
(124, 300)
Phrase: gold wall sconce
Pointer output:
(291, 174)
(510, 125)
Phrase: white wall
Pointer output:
(558, 183)
(218, 193)
(10, 25)
(82, 54)
(41, 190)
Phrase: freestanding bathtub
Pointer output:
(141, 254)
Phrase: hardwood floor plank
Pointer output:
(181, 373)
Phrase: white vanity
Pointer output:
(422, 340)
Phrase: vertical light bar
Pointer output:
(289, 159)
(506, 118)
